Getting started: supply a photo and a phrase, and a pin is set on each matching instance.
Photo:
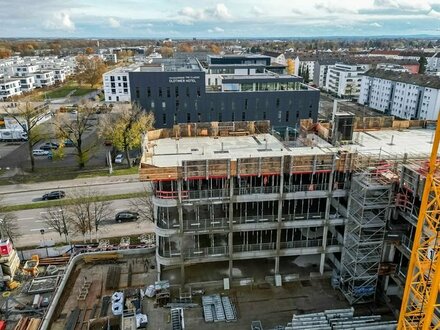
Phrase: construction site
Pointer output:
(308, 228)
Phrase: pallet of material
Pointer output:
(101, 257)
(27, 323)
(54, 261)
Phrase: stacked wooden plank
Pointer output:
(54, 261)
(27, 323)
(10, 263)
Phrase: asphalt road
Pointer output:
(32, 193)
(32, 221)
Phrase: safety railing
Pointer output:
(256, 190)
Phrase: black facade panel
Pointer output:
(180, 97)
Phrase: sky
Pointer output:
(217, 19)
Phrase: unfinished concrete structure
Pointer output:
(228, 192)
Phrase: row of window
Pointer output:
(160, 91)
(233, 117)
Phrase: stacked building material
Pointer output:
(9, 260)
(218, 309)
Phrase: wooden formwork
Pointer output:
(259, 166)
(308, 163)
(206, 168)
(153, 173)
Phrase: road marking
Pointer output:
(43, 212)
(25, 218)
(38, 229)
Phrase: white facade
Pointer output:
(44, 78)
(27, 83)
(117, 85)
(344, 80)
(9, 88)
(401, 99)
(25, 70)
(433, 63)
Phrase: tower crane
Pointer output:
(420, 303)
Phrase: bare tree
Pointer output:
(88, 212)
(75, 130)
(144, 204)
(59, 218)
(28, 117)
(9, 227)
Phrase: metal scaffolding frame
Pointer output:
(369, 205)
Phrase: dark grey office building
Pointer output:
(228, 88)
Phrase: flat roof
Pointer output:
(170, 152)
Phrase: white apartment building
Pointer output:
(24, 70)
(117, 85)
(320, 71)
(344, 80)
(433, 63)
(44, 78)
(9, 88)
(59, 74)
(400, 94)
(27, 84)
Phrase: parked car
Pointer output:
(68, 143)
(119, 159)
(57, 194)
(126, 216)
(40, 152)
(49, 146)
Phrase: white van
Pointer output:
(39, 152)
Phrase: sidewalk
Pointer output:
(54, 185)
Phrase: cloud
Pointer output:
(434, 13)
(375, 24)
(257, 11)
(408, 5)
(216, 29)
(192, 13)
(114, 23)
(221, 12)
(333, 8)
(60, 21)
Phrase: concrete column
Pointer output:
(280, 215)
(231, 226)
(327, 216)
(181, 238)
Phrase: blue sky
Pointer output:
(217, 19)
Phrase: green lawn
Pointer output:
(63, 91)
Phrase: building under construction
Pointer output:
(234, 194)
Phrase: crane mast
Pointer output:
(419, 308)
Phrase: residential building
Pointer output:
(433, 63)
(344, 80)
(276, 57)
(27, 83)
(180, 91)
(59, 74)
(117, 85)
(401, 94)
(320, 71)
(231, 194)
(24, 70)
(9, 88)
(44, 78)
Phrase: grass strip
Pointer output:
(71, 201)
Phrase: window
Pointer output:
(164, 105)
(148, 91)
(287, 116)
(245, 104)
(177, 91)
(152, 104)
(168, 92)
(160, 91)
(297, 114)
(243, 116)
(264, 115)
(209, 81)
(188, 117)
(279, 116)
(199, 117)
(220, 117)
(177, 105)
(233, 116)
(124, 78)
(187, 91)
(164, 119)
(137, 92)
(198, 91)
(278, 103)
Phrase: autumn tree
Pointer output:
(126, 127)
(185, 48)
(5, 53)
(90, 70)
(214, 48)
(28, 116)
(166, 52)
(89, 51)
(290, 66)
(74, 129)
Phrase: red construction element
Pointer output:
(5, 247)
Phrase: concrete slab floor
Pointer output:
(271, 305)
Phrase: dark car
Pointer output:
(126, 216)
(68, 143)
(49, 146)
(54, 195)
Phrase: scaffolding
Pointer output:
(369, 205)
